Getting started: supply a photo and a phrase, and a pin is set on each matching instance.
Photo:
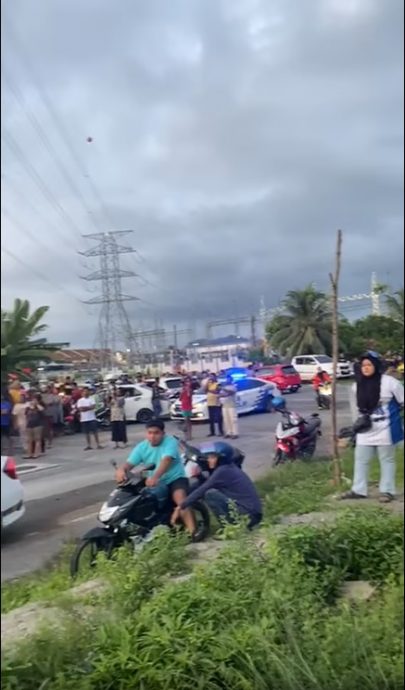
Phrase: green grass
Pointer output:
(291, 489)
(254, 619)
(267, 618)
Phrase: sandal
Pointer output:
(351, 495)
(386, 498)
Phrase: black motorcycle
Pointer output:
(130, 514)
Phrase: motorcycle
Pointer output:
(71, 420)
(129, 515)
(103, 417)
(325, 396)
(296, 437)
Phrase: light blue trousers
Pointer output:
(362, 458)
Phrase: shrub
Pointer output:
(254, 619)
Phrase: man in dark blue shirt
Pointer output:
(227, 489)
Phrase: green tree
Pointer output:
(395, 304)
(305, 327)
(21, 344)
(381, 333)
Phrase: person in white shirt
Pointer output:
(379, 398)
(87, 409)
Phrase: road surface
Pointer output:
(64, 490)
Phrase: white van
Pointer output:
(308, 365)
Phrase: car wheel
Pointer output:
(144, 416)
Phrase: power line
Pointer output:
(40, 275)
(54, 115)
(48, 194)
(47, 144)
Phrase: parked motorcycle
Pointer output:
(103, 417)
(325, 396)
(130, 514)
(71, 420)
(296, 437)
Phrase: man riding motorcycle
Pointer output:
(227, 489)
(320, 379)
(168, 474)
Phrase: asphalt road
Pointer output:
(63, 492)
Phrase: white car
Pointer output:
(170, 385)
(12, 493)
(308, 365)
(138, 403)
(253, 395)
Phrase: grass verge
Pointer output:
(254, 619)
(292, 489)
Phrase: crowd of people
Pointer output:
(34, 416)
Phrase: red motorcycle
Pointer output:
(296, 437)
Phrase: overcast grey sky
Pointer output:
(232, 136)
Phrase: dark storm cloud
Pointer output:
(233, 137)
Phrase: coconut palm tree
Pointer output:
(21, 344)
(395, 304)
(305, 326)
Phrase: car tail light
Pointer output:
(10, 468)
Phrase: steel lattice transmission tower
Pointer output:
(115, 332)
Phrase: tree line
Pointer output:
(305, 326)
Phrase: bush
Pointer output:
(254, 619)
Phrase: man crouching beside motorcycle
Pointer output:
(168, 475)
(227, 489)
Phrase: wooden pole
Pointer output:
(334, 279)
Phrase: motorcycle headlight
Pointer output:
(107, 512)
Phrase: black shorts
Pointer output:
(89, 427)
(180, 483)
(6, 431)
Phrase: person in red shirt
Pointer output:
(321, 377)
(186, 401)
(76, 392)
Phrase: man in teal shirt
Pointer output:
(168, 474)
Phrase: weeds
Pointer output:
(252, 619)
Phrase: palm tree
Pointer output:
(395, 304)
(20, 345)
(305, 327)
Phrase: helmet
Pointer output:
(224, 451)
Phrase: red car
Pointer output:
(286, 378)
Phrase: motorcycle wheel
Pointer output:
(280, 458)
(309, 452)
(85, 555)
(202, 518)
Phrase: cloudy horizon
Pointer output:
(232, 136)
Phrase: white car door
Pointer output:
(306, 367)
(134, 397)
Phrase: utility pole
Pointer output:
(115, 330)
(334, 280)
